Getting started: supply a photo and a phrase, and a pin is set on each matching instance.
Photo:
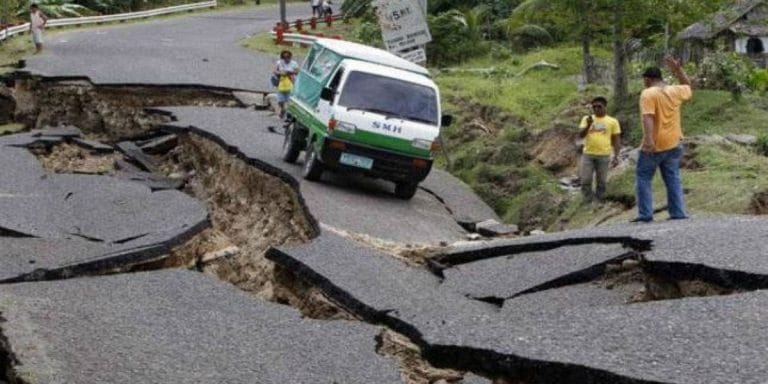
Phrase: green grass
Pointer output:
(715, 112)
(10, 128)
(13, 50)
(517, 108)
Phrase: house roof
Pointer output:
(727, 19)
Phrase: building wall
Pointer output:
(741, 44)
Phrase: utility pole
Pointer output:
(283, 17)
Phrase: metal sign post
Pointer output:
(283, 17)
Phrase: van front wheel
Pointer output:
(291, 146)
(405, 190)
(313, 168)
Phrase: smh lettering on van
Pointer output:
(387, 127)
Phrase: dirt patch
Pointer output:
(68, 158)
(689, 161)
(249, 209)
(308, 299)
(105, 113)
(758, 205)
(414, 369)
(556, 150)
(659, 288)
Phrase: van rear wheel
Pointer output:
(405, 190)
(313, 168)
(291, 145)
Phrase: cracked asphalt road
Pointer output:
(577, 333)
(202, 49)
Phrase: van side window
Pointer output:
(324, 64)
(310, 58)
(334, 84)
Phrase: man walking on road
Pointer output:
(601, 138)
(37, 21)
(660, 106)
(316, 12)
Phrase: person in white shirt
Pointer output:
(286, 67)
(316, 10)
(327, 10)
(37, 21)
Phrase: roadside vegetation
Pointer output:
(520, 74)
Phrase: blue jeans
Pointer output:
(668, 163)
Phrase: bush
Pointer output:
(762, 145)
(368, 33)
(453, 39)
(727, 71)
(530, 36)
(758, 81)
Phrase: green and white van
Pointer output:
(360, 109)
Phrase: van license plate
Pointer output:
(356, 161)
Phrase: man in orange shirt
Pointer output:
(660, 106)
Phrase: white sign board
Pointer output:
(403, 24)
(418, 55)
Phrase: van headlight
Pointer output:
(346, 127)
(421, 143)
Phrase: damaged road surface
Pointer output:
(61, 225)
(349, 204)
(176, 326)
(148, 250)
(555, 325)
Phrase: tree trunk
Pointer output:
(586, 41)
(619, 58)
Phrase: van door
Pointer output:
(325, 107)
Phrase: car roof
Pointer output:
(383, 70)
(371, 54)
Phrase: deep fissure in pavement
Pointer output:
(107, 113)
(250, 209)
(7, 359)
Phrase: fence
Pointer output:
(281, 32)
(15, 30)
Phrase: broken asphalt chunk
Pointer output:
(178, 326)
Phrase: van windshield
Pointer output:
(391, 97)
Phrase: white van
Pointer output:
(360, 109)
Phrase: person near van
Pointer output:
(285, 71)
(37, 21)
(316, 10)
(660, 106)
(327, 10)
(601, 139)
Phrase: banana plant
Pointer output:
(59, 9)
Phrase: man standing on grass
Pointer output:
(660, 106)
(601, 138)
(37, 21)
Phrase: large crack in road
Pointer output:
(376, 304)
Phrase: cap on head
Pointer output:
(653, 73)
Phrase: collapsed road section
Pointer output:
(132, 177)
(207, 191)
(571, 313)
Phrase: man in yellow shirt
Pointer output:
(601, 138)
(660, 106)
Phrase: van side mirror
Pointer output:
(446, 121)
(327, 94)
